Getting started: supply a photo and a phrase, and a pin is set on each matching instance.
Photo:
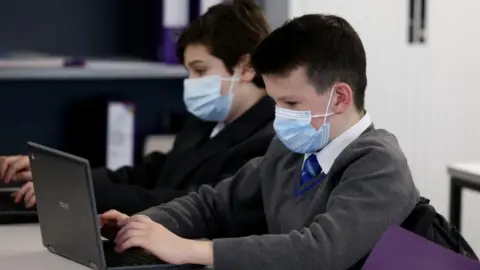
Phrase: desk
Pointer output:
(466, 175)
(21, 248)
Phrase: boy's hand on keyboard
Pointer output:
(27, 193)
(112, 217)
(140, 231)
(15, 168)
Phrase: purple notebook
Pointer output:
(400, 249)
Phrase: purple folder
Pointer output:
(400, 249)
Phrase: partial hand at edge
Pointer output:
(27, 194)
(15, 168)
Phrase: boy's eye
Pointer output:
(200, 72)
(291, 103)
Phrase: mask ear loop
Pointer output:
(328, 105)
(326, 110)
(232, 81)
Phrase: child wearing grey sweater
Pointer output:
(326, 190)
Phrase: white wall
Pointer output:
(427, 95)
(278, 11)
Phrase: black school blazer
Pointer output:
(194, 160)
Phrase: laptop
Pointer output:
(14, 213)
(68, 217)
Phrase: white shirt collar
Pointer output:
(330, 152)
(219, 127)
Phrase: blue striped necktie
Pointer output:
(311, 169)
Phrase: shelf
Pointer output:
(97, 70)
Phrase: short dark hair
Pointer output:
(325, 45)
(230, 31)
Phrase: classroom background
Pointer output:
(423, 59)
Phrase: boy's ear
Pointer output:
(245, 70)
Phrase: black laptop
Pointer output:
(68, 217)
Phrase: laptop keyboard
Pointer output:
(8, 205)
(129, 257)
(138, 257)
(15, 213)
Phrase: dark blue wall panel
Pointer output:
(41, 111)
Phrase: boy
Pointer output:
(231, 118)
(327, 188)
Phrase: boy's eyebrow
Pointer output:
(194, 62)
(287, 98)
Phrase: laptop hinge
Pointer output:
(51, 249)
(93, 265)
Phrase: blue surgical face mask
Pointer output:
(203, 98)
(293, 128)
